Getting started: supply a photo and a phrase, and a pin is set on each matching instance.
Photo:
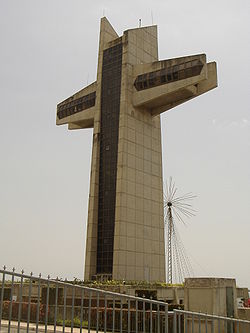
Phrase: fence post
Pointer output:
(20, 303)
(175, 322)
(29, 302)
(38, 302)
(144, 316)
(2, 293)
(166, 318)
(47, 305)
(11, 299)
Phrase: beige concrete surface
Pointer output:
(217, 296)
(41, 328)
(244, 314)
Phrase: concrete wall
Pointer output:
(216, 296)
(209, 295)
(244, 313)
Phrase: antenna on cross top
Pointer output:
(152, 17)
(139, 23)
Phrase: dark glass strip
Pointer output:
(110, 111)
(76, 105)
(168, 75)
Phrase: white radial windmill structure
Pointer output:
(176, 209)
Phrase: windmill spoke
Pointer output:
(178, 215)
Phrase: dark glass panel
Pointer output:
(152, 79)
(181, 67)
(188, 72)
(110, 110)
(175, 72)
(168, 74)
(182, 75)
(196, 70)
(77, 105)
(195, 62)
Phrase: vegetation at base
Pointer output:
(118, 283)
(171, 307)
(76, 322)
(107, 283)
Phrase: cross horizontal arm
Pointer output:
(162, 85)
(78, 110)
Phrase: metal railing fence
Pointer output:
(195, 322)
(29, 303)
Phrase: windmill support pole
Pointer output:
(170, 233)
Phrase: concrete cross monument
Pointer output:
(125, 231)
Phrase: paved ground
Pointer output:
(12, 330)
(32, 328)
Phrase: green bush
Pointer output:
(76, 322)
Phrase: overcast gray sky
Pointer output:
(48, 51)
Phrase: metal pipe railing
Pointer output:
(82, 286)
(32, 303)
(29, 303)
(196, 322)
